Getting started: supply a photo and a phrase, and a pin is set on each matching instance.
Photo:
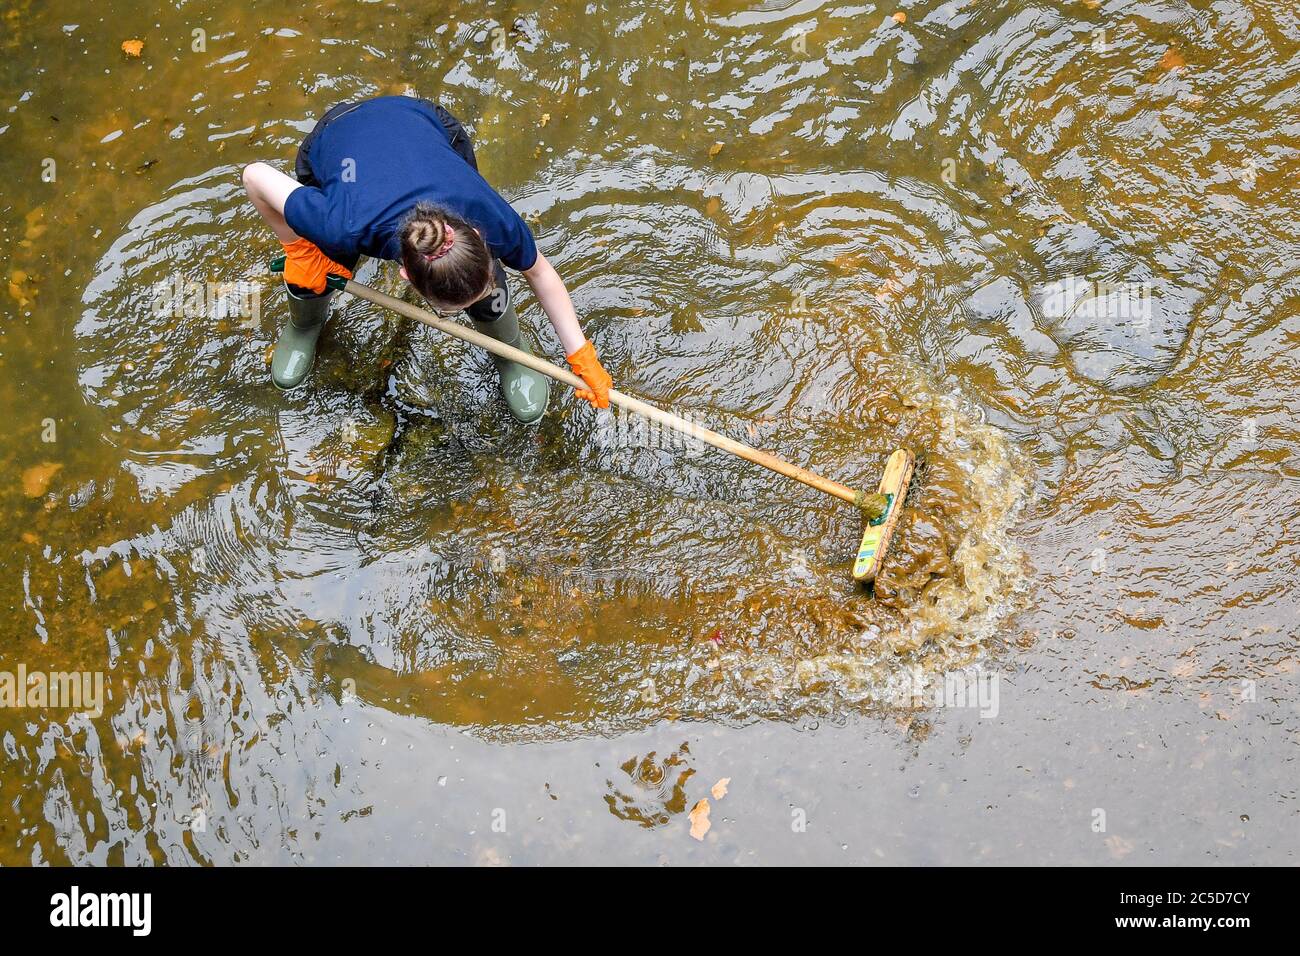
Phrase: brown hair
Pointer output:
(446, 274)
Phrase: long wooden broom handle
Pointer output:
(668, 419)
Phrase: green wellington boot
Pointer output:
(295, 351)
(526, 392)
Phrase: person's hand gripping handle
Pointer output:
(306, 267)
(588, 368)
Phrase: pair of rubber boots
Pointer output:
(526, 392)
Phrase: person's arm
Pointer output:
(554, 297)
(305, 266)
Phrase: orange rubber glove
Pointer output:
(306, 266)
(589, 369)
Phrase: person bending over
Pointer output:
(396, 178)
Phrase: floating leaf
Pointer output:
(700, 819)
(1118, 847)
(19, 290)
(546, 118)
(36, 479)
(889, 290)
(35, 228)
(715, 149)
(720, 788)
(900, 17)
(132, 47)
(1172, 60)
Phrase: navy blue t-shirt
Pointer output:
(375, 162)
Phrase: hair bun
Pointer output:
(426, 235)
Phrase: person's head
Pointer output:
(445, 258)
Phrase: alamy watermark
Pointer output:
(182, 298)
(75, 690)
(1126, 302)
(975, 689)
(77, 908)
(622, 430)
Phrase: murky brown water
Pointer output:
(373, 620)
